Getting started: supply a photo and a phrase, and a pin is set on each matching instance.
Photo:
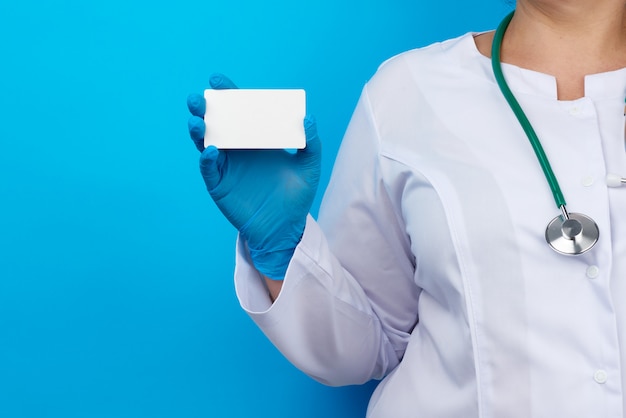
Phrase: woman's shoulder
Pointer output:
(439, 59)
(436, 69)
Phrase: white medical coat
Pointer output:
(428, 266)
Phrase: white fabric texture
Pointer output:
(428, 267)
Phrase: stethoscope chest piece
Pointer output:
(573, 235)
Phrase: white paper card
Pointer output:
(255, 119)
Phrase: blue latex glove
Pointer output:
(265, 194)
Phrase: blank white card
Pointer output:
(255, 119)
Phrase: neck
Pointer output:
(568, 39)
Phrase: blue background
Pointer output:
(116, 294)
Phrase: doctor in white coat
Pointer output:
(429, 266)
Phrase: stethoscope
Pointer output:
(568, 233)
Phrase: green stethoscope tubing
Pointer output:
(568, 233)
(519, 113)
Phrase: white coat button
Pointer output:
(593, 272)
(600, 376)
(574, 110)
(588, 181)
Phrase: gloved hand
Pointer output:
(265, 194)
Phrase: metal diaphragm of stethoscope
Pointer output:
(568, 233)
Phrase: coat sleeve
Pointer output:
(349, 300)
